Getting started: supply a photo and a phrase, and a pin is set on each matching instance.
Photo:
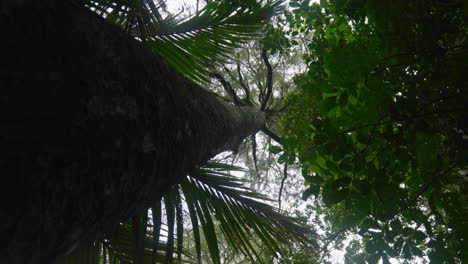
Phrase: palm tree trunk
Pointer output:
(93, 128)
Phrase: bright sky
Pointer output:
(187, 6)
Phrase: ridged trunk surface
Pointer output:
(93, 127)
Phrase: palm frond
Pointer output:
(91, 254)
(216, 200)
(242, 213)
(193, 45)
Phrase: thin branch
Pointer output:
(243, 85)
(336, 234)
(275, 111)
(228, 88)
(254, 154)
(269, 81)
(333, 237)
(272, 135)
(285, 175)
(284, 89)
(261, 90)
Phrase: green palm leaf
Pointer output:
(209, 193)
(242, 214)
(192, 46)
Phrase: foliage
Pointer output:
(214, 200)
(355, 254)
(379, 123)
(191, 45)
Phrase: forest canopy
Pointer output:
(379, 123)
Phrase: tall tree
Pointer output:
(95, 127)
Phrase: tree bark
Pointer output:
(93, 128)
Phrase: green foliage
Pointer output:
(191, 45)
(379, 123)
(215, 201)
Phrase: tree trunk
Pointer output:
(93, 128)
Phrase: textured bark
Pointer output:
(93, 127)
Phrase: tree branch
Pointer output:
(285, 175)
(272, 135)
(333, 237)
(275, 111)
(254, 154)
(243, 85)
(269, 81)
(228, 88)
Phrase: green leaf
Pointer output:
(190, 202)
(329, 95)
(313, 180)
(407, 251)
(312, 190)
(331, 195)
(373, 246)
(396, 226)
(417, 251)
(275, 149)
(407, 231)
(209, 232)
(374, 258)
(352, 100)
(419, 236)
(398, 245)
(191, 45)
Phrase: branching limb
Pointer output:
(332, 238)
(276, 111)
(269, 81)
(243, 85)
(254, 154)
(272, 135)
(285, 175)
(261, 89)
(228, 88)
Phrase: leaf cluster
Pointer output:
(195, 44)
(380, 122)
(214, 200)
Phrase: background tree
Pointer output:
(379, 123)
